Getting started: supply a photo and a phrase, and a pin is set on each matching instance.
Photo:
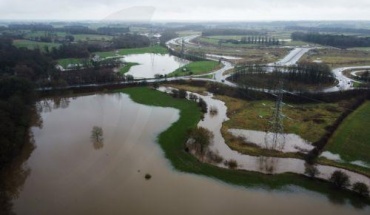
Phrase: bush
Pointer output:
(214, 157)
(339, 179)
(202, 138)
(203, 105)
(148, 176)
(311, 170)
(361, 189)
(213, 111)
(182, 94)
(232, 164)
(193, 97)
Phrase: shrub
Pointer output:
(193, 97)
(202, 138)
(214, 157)
(148, 176)
(361, 189)
(311, 170)
(182, 94)
(213, 111)
(339, 179)
(203, 105)
(232, 164)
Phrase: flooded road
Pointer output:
(152, 64)
(70, 175)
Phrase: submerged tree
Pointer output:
(339, 179)
(97, 137)
(311, 170)
(361, 189)
(201, 139)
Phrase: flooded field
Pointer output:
(151, 64)
(71, 174)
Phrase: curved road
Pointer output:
(344, 83)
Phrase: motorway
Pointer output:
(344, 83)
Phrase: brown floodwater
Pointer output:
(71, 174)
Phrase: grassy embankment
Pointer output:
(196, 68)
(124, 69)
(308, 121)
(352, 139)
(338, 58)
(172, 142)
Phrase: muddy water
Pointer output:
(270, 165)
(70, 175)
(151, 64)
(292, 142)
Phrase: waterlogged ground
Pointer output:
(152, 64)
(72, 175)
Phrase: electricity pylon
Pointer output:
(275, 137)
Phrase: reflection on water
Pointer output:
(13, 177)
(51, 103)
(70, 177)
(151, 64)
(292, 142)
(268, 164)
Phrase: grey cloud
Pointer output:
(188, 9)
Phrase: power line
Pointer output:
(275, 137)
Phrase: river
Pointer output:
(69, 174)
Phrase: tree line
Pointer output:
(85, 49)
(16, 104)
(329, 29)
(226, 31)
(72, 29)
(263, 40)
(24, 63)
(339, 41)
(258, 76)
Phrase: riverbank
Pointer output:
(172, 142)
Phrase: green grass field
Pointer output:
(78, 37)
(124, 69)
(195, 68)
(34, 44)
(151, 49)
(86, 37)
(172, 143)
(352, 139)
(32, 34)
(307, 120)
(366, 49)
(65, 62)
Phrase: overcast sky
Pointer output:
(189, 10)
